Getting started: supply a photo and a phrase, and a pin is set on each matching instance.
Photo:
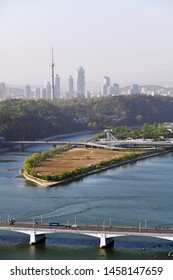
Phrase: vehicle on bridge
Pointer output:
(54, 224)
(12, 221)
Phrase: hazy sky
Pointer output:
(129, 40)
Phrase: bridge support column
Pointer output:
(36, 238)
(106, 241)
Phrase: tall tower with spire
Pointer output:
(53, 85)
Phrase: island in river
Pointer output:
(75, 163)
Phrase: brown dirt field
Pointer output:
(75, 158)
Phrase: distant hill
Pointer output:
(28, 119)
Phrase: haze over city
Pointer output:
(131, 41)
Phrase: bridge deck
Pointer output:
(104, 233)
(65, 228)
(111, 143)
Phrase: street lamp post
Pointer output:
(33, 222)
(68, 223)
(103, 225)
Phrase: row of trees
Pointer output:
(30, 163)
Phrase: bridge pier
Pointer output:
(106, 241)
(36, 238)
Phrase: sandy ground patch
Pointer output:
(75, 158)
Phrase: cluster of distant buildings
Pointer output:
(76, 88)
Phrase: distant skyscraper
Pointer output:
(110, 90)
(48, 91)
(43, 93)
(70, 87)
(37, 93)
(135, 89)
(106, 84)
(104, 89)
(107, 81)
(2, 90)
(57, 87)
(116, 89)
(81, 81)
(27, 92)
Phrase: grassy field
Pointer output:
(76, 158)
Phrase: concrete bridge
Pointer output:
(111, 144)
(106, 234)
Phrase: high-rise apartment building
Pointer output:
(57, 87)
(27, 92)
(110, 90)
(2, 90)
(70, 87)
(43, 94)
(107, 81)
(48, 90)
(104, 89)
(106, 84)
(81, 82)
(116, 89)
(37, 93)
(134, 89)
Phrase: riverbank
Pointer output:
(44, 183)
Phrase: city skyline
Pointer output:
(77, 89)
(129, 40)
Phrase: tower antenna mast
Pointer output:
(53, 86)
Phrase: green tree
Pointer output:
(139, 118)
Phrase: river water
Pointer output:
(138, 194)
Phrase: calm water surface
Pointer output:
(140, 193)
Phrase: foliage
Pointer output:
(31, 120)
(30, 163)
(139, 118)
(154, 131)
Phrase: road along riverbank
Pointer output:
(46, 183)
